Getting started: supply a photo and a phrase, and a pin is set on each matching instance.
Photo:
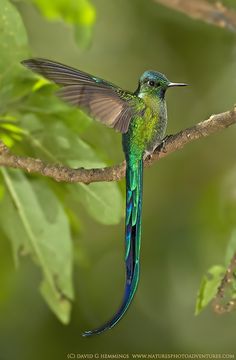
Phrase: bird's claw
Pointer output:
(162, 146)
(147, 156)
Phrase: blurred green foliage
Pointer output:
(35, 222)
(81, 14)
(209, 286)
(189, 198)
(13, 40)
(33, 215)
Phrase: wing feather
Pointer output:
(100, 99)
(104, 107)
(61, 74)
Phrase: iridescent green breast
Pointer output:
(146, 130)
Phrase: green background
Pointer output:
(185, 219)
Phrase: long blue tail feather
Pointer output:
(134, 190)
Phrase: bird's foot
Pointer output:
(162, 146)
(147, 156)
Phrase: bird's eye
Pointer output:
(151, 83)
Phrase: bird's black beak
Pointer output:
(172, 84)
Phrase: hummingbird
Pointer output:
(141, 118)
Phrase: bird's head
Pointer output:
(155, 83)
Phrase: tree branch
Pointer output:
(223, 301)
(213, 13)
(62, 173)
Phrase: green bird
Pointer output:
(141, 117)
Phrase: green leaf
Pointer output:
(228, 199)
(61, 308)
(103, 201)
(35, 222)
(9, 133)
(7, 140)
(42, 102)
(231, 248)
(208, 287)
(79, 13)
(83, 35)
(2, 191)
(13, 47)
(11, 128)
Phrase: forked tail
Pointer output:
(134, 189)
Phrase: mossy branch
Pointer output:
(62, 173)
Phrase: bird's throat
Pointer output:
(153, 101)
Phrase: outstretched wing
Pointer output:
(61, 74)
(100, 99)
(102, 103)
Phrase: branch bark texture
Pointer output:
(222, 303)
(213, 13)
(62, 173)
